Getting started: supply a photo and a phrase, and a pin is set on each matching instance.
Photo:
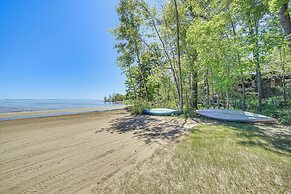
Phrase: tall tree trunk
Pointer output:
(243, 93)
(194, 90)
(284, 88)
(258, 80)
(259, 87)
(194, 74)
(134, 87)
(141, 72)
(282, 57)
(219, 101)
(242, 73)
(223, 100)
(188, 93)
(165, 51)
(258, 71)
(179, 57)
(194, 85)
(212, 89)
(256, 58)
(207, 89)
(177, 79)
(285, 22)
(228, 98)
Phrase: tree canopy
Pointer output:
(189, 54)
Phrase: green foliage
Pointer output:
(274, 5)
(276, 107)
(137, 106)
(224, 45)
(115, 98)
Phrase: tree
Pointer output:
(128, 33)
(179, 57)
(219, 53)
(284, 15)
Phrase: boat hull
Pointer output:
(162, 112)
(235, 115)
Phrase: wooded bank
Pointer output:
(189, 54)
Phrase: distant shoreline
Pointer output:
(49, 113)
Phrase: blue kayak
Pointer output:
(162, 111)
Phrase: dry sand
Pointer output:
(79, 153)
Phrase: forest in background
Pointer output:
(191, 54)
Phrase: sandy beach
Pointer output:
(79, 153)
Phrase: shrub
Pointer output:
(137, 106)
(276, 108)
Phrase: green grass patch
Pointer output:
(223, 158)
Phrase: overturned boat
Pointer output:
(235, 115)
(162, 111)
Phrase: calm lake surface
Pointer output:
(26, 105)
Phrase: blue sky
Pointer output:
(58, 49)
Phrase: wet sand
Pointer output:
(45, 113)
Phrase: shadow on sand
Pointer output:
(151, 128)
(275, 138)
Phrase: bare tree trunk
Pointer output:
(134, 87)
(256, 58)
(165, 51)
(188, 94)
(193, 86)
(259, 86)
(285, 22)
(141, 72)
(258, 78)
(243, 93)
(179, 59)
(212, 90)
(284, 88)
(194, 90)
(228, 99)
(177, 79)
(194, 73)
(258, 72)
(282, 57)
(207, 89)
(242, 75)
(219, 101)
(223, 101)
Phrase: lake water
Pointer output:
(26, 105)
